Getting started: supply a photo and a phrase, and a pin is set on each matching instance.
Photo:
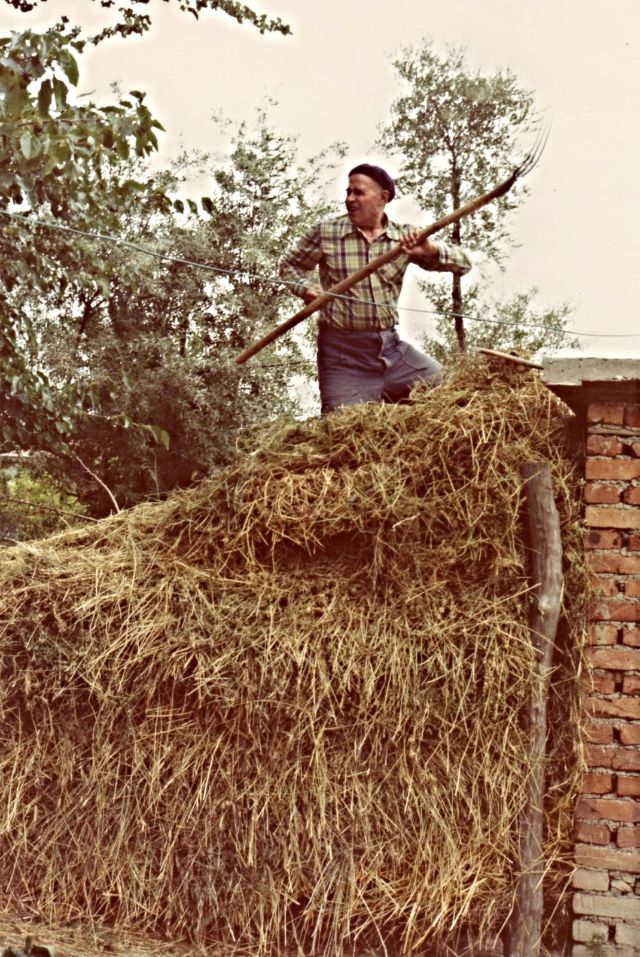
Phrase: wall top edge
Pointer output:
(581, 370)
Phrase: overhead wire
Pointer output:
(277, 280)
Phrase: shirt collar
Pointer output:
(392, 229)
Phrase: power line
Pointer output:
(276, 280)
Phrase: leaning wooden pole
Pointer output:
(523, 933)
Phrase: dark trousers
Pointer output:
(369, 366)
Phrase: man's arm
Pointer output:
(435, 256)
(301, 260)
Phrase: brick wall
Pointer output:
(606, 898)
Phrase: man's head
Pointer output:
(370, 189)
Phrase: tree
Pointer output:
(53, 156)
(155, 341)
(121, 364)
(511, 325)
(131, 20)
(61, 159)
(456, 131)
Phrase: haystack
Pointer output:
(280, 712)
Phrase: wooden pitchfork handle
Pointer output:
(391, 254)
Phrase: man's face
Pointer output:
(365, 201)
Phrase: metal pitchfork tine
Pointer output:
(530, 160)
(533, 156)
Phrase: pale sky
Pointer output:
(333, 80)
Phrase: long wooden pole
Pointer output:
(375, 264)
(522, 937)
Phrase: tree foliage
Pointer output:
(513, 324)
(161, 350)
(30, 505)
(131, 19)
(60, 159)
(146, 310)
(457, 132)
(122, 307)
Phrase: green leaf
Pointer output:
(160, 435)
(45, 94)
(104, 287)
(60, 91)
(61, 152)
(26, 145)
(16, 101)
(10, 64)
(69, 67)
(123, 149)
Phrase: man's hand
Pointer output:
(312, 292)
(412, 247)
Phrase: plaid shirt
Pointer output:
(339, 249)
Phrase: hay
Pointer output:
(281, 710)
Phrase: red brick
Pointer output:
(634, 543)
(612, 516)
(608, 809)
(604, 587)
(615, 609)
(622, 707)
(614, 908)
(632, 587)
(629, 733)
(604, 538)
(599, 732)
(615, 659)
(613, 470)
(635, 447)
(589, 855)
(604, 445)
(626, 837)
(632, 416)
(626, 759)
(628, 785)
(602, 493)
(631, 684)
(594, 782)
(631, 495)
(606, 413)
(613, 563)
(630, 637)
(600, 756)
(599, 682)
(592, 833)
(602, 634)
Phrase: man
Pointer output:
(361, 357)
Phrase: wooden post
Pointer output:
(524, 930)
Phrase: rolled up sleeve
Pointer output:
(302, 259)
(450, 258)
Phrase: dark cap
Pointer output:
(378, 175)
